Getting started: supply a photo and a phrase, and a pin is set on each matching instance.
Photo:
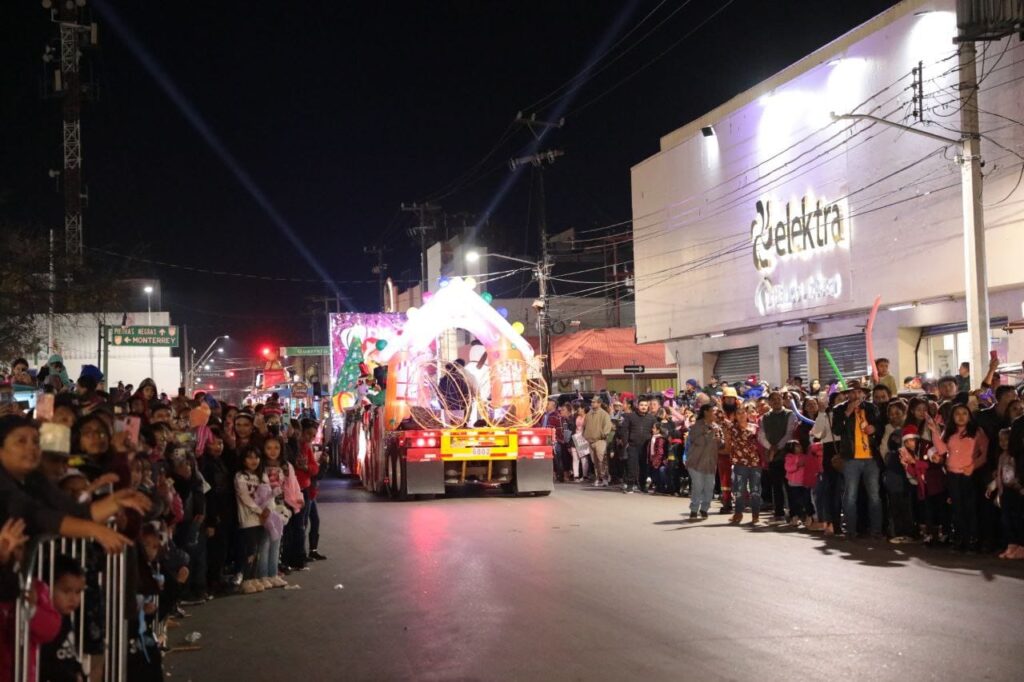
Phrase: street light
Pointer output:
(205, 357)
(541, 270)
(149, 320)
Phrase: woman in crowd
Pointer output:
(965, 448)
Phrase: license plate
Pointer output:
(482, 452)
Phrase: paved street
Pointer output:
(595, 585)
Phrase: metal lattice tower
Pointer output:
(68, 85)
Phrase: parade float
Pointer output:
(445, 395)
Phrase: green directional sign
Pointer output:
(144, 335)
(304, 351)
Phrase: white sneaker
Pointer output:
(268, 583)
(248, 587)
(278, 581)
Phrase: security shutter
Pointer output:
(736, 365)
(959, 327)
(798, 363)
(849, 352)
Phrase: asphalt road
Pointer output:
(595, 585)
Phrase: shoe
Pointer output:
(693, 515)
(651, 491)
(278, 581)
(193, 601)
(248, 587)
(316, 556)
(703, 514)
(755, 519)
(726, 509)
(268, 583)
(179, 612)
(625, 488)
(637, 489)
(736, 519)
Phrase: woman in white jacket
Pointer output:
(250, 515)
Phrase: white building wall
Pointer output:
(695, 217)
(76, 338)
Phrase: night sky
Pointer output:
(339, 111)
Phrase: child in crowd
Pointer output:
(797, 463)
(656, 459)
(58, 660)
(1011, 502)
(965, 447)
(251, 516)
(287, 499)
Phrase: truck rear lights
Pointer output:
(422, 442)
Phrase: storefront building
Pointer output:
(764, 230)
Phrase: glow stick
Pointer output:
(869, 332)
(835, 369)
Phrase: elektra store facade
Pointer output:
(764, 230)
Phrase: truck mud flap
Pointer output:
(425, 478)
(534, 475)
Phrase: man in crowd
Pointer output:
(853, 422)
(598, 430)
(702, 446)
(777, 428)
(730, 406)
(551, 420)
(637, 432)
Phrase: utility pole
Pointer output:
(379, 269)
(975, 264)
(420, 231)
(544, 266)
(67, 84)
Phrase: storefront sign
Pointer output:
(801, 253)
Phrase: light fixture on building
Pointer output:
(902, 306)
(707, 131)
(716, 335)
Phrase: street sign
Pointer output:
(634, 369)
(304, 351)
(144, 335)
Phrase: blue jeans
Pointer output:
(746, 483)
(702, 488)
(266, 561)
(854, 470)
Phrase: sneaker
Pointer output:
(597, 483)
(248, 587)
(755, 519)
(278, 581)
(736, 519)
(316, 556)
(268, 583)
(625, 488)
(703, 514)
(693, 515)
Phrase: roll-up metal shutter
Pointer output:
(736, 365)
(798, 363)
(959, 327)
(849, 352)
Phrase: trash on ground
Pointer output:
(193, 637)
(339, 586)
(293, 587)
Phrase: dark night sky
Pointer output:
(340, 111)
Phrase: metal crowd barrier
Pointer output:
(39, 566)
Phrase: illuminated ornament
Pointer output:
(470, 282)
(518, 327)
(456, 280)
(487, 296)
(381, 344)
(411, 312)
(427, 295)
(443, 282)
(503, 312)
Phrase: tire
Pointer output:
(402, 486)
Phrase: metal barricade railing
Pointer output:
(39, 565)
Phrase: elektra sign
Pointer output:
(801, 254)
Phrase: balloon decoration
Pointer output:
(427, 295)
(487, 296)
(835, 369)
(503, 312)
(798, 413)
(869, 336)
(381, 344)
(518, 328)
(470, 282)
(412, 312)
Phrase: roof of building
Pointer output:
(592, 350)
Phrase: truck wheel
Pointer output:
(401, 486)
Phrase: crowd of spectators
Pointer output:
(938, 462)
(205, 499)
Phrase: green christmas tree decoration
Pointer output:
(348, 375)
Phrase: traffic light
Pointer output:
(265, 351)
